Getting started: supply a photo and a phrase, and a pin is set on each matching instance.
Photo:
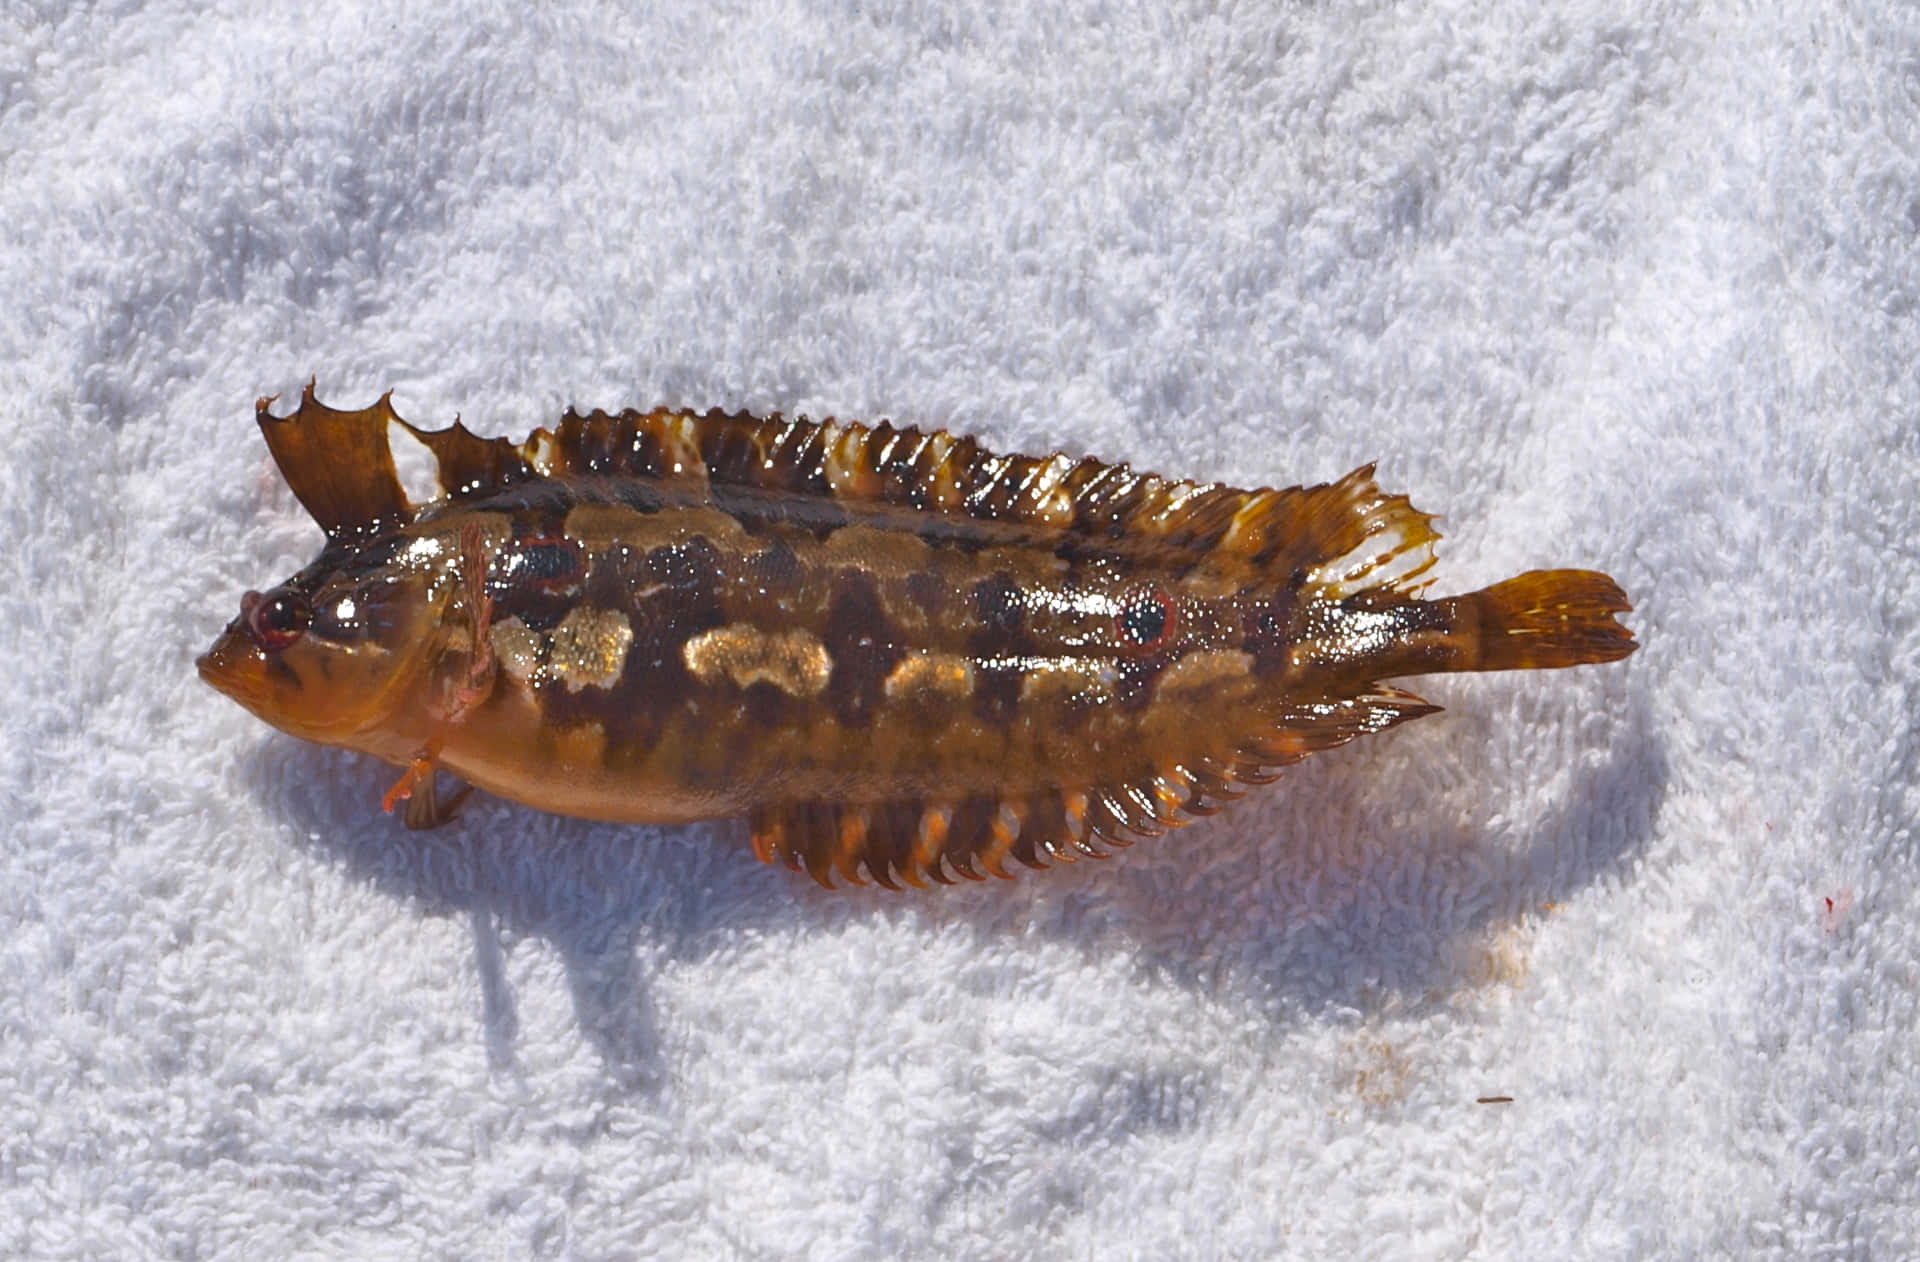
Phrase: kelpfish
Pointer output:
(901, 656)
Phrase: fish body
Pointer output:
(901, 656)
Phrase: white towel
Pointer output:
(1617, 962)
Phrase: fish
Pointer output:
(903, 657)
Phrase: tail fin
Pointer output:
(1539, 620)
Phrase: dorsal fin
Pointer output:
(338, 464)
(1345, 536)
(928, 470)
(468, 463)
(1348, 534)
(1362, 537)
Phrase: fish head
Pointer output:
(339, 651)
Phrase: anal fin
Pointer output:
(914, 841)
(972, 837)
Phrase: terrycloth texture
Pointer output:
(1626, 288)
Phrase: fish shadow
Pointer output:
(617, 904)
(1367, 877)
(1383, 877)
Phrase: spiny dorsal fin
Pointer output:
(467, 463)
(338, 464)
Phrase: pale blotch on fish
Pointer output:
(586, 650)
(590, 648)
(933, 675)
(793, 660)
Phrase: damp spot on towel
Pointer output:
(1380, 1073)
(1498, 958)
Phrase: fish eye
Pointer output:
(276, 619)
(1146, 618)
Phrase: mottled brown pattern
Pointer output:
(904, 657)
(863, 645)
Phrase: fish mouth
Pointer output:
(234, 669)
